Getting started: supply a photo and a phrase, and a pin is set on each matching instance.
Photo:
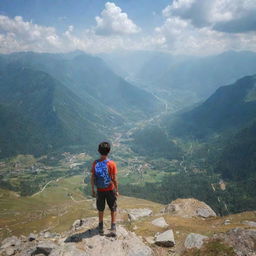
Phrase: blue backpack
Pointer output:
(101, 175)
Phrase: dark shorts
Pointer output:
(102, 197)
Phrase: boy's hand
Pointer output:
(93, 193)
(117, 193)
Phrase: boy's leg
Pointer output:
(113, 216)
(113, 220)
(100, 227)
(100, 207)
(111, 201)
(101, 214)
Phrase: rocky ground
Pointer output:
(184, 227)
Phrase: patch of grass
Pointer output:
(212, 248)
(52, 209)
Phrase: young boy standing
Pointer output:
(104, 176)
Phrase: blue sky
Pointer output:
(197, 27)
(81, 13)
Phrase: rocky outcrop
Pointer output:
(135, 214)
(160, 222)
(165, 239)
(83, 238)
(194, 241)
(188, 208)
(85, 242)
(242, 240)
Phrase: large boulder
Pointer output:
(160, 222)
(194, 241)
(188, 208)
(135, 214)
(242, 240)
(165, 239)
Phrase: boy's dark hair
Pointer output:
(104, 148)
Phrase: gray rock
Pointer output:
(249, 223)
(10, 241)
(135, 214)
(160, 222)
(32, 237)
(226, 222)
(165, 239)
(48, 235)
(194, 241)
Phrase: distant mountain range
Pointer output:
(182, 80)
(92, 80)
(202, 75)
(231, 107)
(39, 114)
(50, 101)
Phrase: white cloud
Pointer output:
(114, 21)
(224, 15)
(182, 37)
(203, 27)
(19, 34)
(182, 5)
(112, 31)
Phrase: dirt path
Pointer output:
(37, 193)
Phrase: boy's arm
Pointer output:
(92, 181)
(114, 178)
(92, 184)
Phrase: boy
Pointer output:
(103, 175)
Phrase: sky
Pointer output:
(192, 27)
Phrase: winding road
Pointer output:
(37, 193)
